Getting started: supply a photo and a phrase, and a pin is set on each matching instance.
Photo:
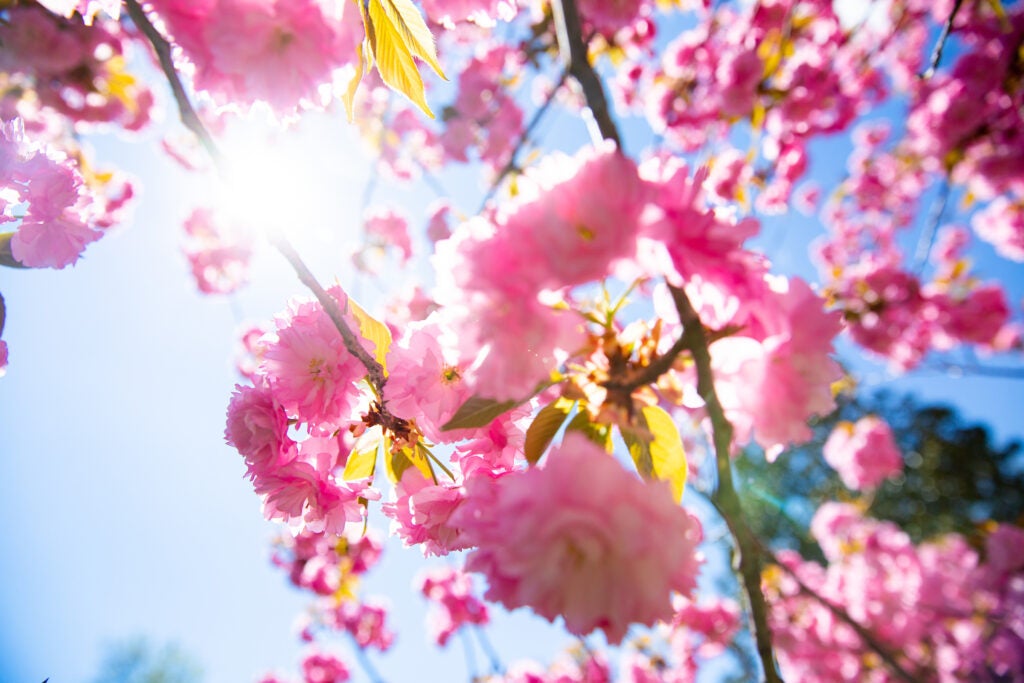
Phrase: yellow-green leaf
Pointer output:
(600, 434)
(397, 462)
(6, 257)
(997, 7)
(361, 464)
(657, 448)
(353, 85)
(409, 24)
(395, 34)
(544, 427)
(477, 412)
(373, 331)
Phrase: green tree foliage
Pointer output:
(954, 479)
(138, 661)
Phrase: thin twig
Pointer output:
(485, 645)
(725, 498)
(470, 655)
(192, 121)
(364, 661)
(510, 165)
(933, 64)
(333, 310)
(573, 50)
(953, 368)
(162, 47)
(927, 239)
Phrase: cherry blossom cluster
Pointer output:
(450, 591)
(278, 52)
(307, 377)
(940, 607)
(863, 452)
(330, 567)
(74, 69)
(46, 196)
(219, 258)
(317, 667)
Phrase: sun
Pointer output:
(297, 182)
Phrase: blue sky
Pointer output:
(127, 515)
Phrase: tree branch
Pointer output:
(186, 111)
(573, 50)
(725, 497)
(337, 316)
(927, 239)
(191, 120)
(947, 28)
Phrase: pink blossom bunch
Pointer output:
(421, 514)
(727, 66)
(306, 379)
(319, 667)
(364, 620)
(218, 258)
(587, 207)
(1001, 224)
(771, 382)
(388, 228)
(705, 629)
(584, 667)
(582, 539)
(71, 66)
(704, 248)
(970, 120)
(60, 216)
(451, 13)
(426, 382)
(610, 16)
(309, 370)
(485, 117)
(276, 51)
(935, 606)
(864, 453)
(323, 564)
(450, 592)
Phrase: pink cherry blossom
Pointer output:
(422, 514)
(269, 50)
(390, 228)
(257, 427)
(3, 358)
(426, 384)
(580, 538)
(219, 258)
(320, 667)
(365, 621)
(453, 604)
(308, 369)
(864, 453)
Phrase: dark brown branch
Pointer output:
(573, 50)
(333, 310)
(947, 28)
(725, 498)
(191, 120)
(186, 111)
